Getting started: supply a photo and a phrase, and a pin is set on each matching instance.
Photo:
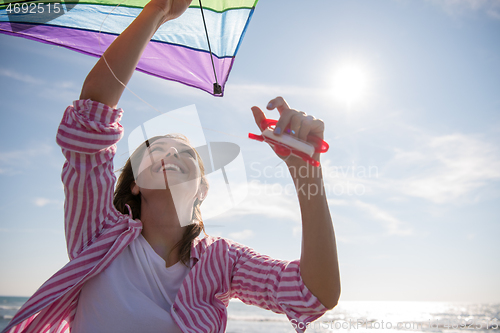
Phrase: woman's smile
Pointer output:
(170, 165)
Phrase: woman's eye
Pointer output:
(190, 153)
(155, 149)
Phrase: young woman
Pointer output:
(136, 263)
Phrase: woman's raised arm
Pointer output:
(124, 53)
(319, 267)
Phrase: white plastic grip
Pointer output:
(290, 141)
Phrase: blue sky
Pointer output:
(412, 174)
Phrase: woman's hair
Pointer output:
(123, 195)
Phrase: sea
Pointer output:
(355, 316)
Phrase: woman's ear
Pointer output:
(134, 188)
(202, 192)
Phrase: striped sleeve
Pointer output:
(274, 285)
(88, 134)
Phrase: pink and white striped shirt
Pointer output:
(96, 233)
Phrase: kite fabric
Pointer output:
(178, 51)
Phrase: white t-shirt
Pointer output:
(133, 295)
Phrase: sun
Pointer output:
(350, 84)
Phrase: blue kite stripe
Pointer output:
(225, 29)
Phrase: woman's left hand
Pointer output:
(299, 123)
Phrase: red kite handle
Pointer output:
(320, 145)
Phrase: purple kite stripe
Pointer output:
(171, 62)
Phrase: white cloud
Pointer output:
(63, 91)
(41, 202)
(271, 200)
(444, 168)
(460, 7)
(20, 77)
(16, 161)
(471, 236)
(278, 200)
(391, 224)
(349, 181)
(297, 231)
(60, 91)
(31, 230)
(242, 235)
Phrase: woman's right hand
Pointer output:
(171, 9)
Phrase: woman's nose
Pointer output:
(172, 151)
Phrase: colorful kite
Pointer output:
(179, 51)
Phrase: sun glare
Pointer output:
(350, 84)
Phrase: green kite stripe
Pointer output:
(218, 6)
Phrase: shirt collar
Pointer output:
(195, 249)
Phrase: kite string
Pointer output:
(136, 95)
(141, 99)
(109, 67)
(217, 87)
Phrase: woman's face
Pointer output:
(172, 163)
(171, 158)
